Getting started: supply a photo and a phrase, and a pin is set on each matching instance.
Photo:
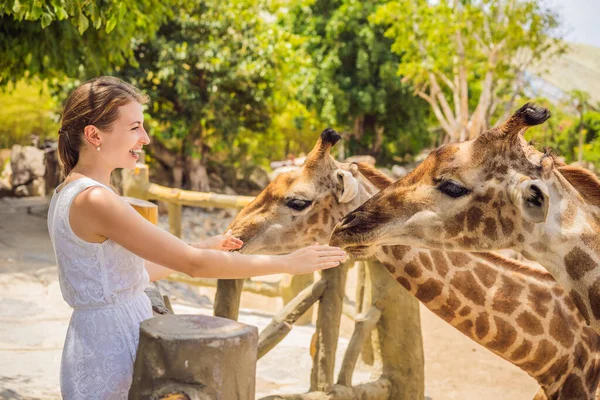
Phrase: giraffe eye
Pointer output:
(298, 204)
(453, 189)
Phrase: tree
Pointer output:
(467, 58)
(54, 39)
(211, 73)
(356, 88)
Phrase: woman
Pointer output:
(107, 252)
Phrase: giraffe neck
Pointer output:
(519, 313)
(568, 246)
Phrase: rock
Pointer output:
(28, 165)
(399, 171)
(5, 174)
(259, 177)
(386, 171)
(281, 170)
(363, 159)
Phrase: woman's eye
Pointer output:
(453, 189)
(298, 204)
(135, 128)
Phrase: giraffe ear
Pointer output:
(531, 196)
(347, 187)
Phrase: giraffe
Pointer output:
(517, 312)
(494, 192)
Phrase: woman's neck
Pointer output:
(95, 172)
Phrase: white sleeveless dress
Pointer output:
(104, 283)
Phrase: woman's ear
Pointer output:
(92, 135)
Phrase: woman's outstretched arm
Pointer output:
(97, 212)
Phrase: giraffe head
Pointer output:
(301, 207)
(484, 194)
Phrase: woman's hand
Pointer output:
(313, 258)
(224, 242)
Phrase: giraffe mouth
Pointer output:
(358, 251)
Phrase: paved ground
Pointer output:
(34, 319)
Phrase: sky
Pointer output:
(580, 20)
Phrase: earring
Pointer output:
(98, 148)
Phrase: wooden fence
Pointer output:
(387, 323)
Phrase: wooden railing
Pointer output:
(387, 324)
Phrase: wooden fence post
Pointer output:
(398, 333)
(174, 212)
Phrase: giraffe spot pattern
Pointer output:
(580, 356)
(459, 260)
(506, 299)
(522, 351)
(400, 251)
(530, 323)
(466, 310)
(573, 388)
(465, 283)
(429, 290)
(505, 336)
(580, 305)
(544, 353)
(578, 263)
(426, 261)
(490, 229)
(561, 327)
(413, 270)
(466, 327)
(404, 282)
(474, 218)
(439, 260)
(482, 325)
(594, 295)
(486, 274)
(539, 297)
(556, 371)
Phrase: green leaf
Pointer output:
(82, 23)
(61, 13)
(46, 20)
(110, 25)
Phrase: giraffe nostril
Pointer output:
(349, 221)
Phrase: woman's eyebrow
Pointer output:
(136, 122)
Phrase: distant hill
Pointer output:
(579, 69)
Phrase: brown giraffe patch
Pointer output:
(466, 310)
(465, 283)
(404, 282)
(486, 274)
(400, 251)
(544, 353)
(439, 260)
(505, 336)
(520, 238)
(490, 229)
(530, 323)
(325, 216)
(528, 226)
(580, 305)
(466, 327)
(592, 375)
(580, 356)
(507, 225)
(539, 297)
(573, 388)
(429, 290)
(313, 219)
(522, 351)
(454, 225)
(556, 371)
(506, 299)
(485, 198)
(426, 261)
(594, 293)
(578, 263)
(459, 260)
(482, 325)
(390, 267)
(474, 218)
(560, 328)
(413, 269)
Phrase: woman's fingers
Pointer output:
(329, 265)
